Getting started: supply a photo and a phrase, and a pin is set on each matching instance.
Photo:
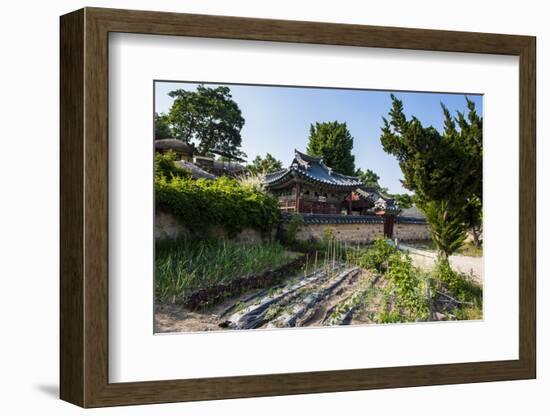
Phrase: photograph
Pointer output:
(282, 206)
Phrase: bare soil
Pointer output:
(178, 318)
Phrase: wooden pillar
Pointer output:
(350, 199)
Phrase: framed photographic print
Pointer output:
(255, 207)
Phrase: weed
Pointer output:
(182, 266)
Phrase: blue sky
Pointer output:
(278, 119)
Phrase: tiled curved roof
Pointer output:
(410, 220)
(311, 219)
(174, 144)
(378, 198)
(413, 212)
(314, 170)
(336, 218)
(196, 172)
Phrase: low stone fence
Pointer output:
(354, 229)
(358, 229)
(350, 233)
(407, 229)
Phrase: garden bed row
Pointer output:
(215, 294)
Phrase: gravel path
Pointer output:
(425, 259)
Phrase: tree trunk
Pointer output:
(476, 233)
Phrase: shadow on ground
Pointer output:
(51, 390)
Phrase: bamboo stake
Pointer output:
(333, 255)
(315, 260)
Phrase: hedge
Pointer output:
(200, 203)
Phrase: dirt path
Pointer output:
(425, 259)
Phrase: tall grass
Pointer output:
(255, 183)
(184, 266)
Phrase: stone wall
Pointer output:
(350, 233)
(168, 227)
(363, 233)
(407, 232)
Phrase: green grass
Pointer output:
(406, 295)
(471, 250)
(392, 317)
(463, 288)
(318, 253)
(184, 266)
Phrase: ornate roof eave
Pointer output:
(336, 219)
(283, 178)
(306, 160)
(373, 194)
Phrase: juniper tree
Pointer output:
(444, 170)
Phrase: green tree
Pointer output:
(333, 142)
(473, 212)
(469, 139)
(162, 128)
(368, 177)
(446, 226)
(165, 166)
(264, 165)
(209, 118)
(443, 169)
(403, 200)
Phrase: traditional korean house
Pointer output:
(309, 186)
(201, 166)
(195, 171)
(184, 151)
(219, 167)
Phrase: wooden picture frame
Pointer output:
(84, 207)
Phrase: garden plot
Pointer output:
(301, 301)
(305, 307)
(359, 306)
(257, 312)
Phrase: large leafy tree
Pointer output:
(443, 169)
(403, 200)
(368, 177)
(162, 128)
(264, 165)
(208, 118)
(333, 142)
